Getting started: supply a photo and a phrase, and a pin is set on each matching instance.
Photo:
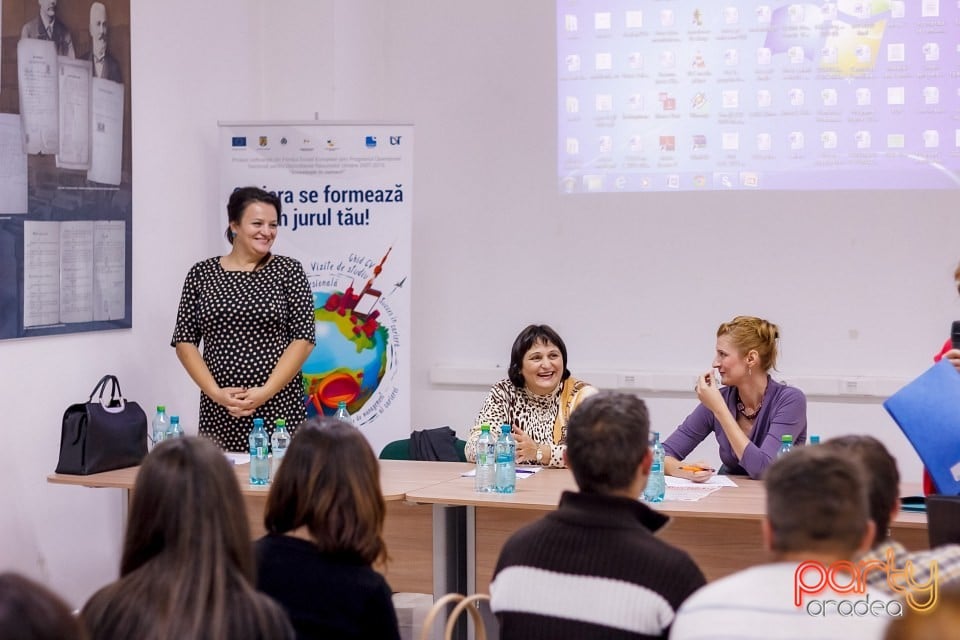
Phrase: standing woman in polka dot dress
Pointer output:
(253, 312)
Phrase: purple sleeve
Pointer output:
(788, 415)
(691, 432)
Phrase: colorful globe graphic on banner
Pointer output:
(349, 359)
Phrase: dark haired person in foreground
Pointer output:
(593, 568)
(187, 569)
(817, 519)
(883, 480)
(324, 519)
(30, 611)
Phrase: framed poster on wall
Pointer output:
(65, 167)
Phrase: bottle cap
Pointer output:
(484, 427)
(258, 422)
(342, 405)
(174, 419)
(505, 428)
(280, 422)
(814, 439)
(161, 408)
(786, 438)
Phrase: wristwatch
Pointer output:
(539, 455)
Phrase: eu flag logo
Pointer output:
(238, 141)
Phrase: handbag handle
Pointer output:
(116, 395)
(101, 386)
(469, 603)
(438, 606)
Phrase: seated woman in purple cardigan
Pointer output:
(748, 415)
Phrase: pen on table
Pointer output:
(526, 470)
(690, 467)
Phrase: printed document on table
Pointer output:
(688, 491)
(522, 472)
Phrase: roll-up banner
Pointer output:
(346, 194)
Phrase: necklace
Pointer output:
(749, 416)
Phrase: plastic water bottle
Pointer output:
(259, 452)
(814, 440)
(506, 461)
(786, 444)
(159, 426)
(343, 414)
(279, 442)
(175, 430)
(656, 483)
(485, 480)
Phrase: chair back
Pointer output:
(943, 519)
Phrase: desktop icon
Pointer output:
(634, 19)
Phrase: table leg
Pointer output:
(450, 551)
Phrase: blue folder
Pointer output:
(928, 412)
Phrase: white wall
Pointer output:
(860, 282)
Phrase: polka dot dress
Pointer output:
(245, 320)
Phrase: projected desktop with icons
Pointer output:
(677, 95)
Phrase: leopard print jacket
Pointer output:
(534, 414)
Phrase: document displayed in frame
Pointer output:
(13, 165)
(106, 131)
(109, 269)
(74, 87)
(73, 271)
(41, 273)
(39, 100)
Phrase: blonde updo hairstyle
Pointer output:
(748, 333)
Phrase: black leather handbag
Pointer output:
(102, 433)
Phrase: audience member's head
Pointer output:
(942, 623)
(30, 611)
(817, 503)
(187, 506)
(608, 443)
(880, 470)
(187, 567)
(329, 487)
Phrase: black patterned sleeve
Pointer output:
(187, 328)
(301, 323)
